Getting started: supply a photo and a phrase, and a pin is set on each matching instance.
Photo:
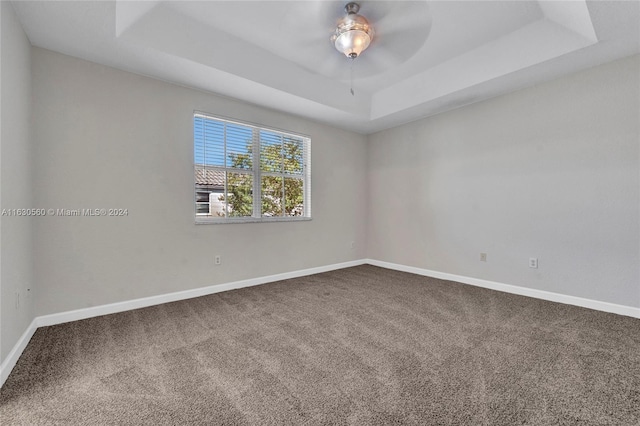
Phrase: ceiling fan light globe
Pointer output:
(353, 34)
(354, 41)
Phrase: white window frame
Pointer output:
(257, 173)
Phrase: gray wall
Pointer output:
(550, 172)
(110, 139)
(16, 261)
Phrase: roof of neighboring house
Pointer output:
(208, 177)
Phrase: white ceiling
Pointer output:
(426, 57)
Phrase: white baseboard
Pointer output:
(112, 308)
(62, 317)
(144, 302)
(629, 311)
(11, 359)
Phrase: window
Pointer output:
(245, 173)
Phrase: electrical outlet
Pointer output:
(533, 262)
(483, 257)
(218, 260)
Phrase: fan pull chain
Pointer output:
(352, 61)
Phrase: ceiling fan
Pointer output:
(390, 31)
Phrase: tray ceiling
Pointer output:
(427, 56)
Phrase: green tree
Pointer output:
(274, 158)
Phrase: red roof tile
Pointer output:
(208, 177)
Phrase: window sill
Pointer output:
(212, 221)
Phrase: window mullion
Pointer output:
(226, 175)
(306, 171)
(257, 175)
(283, 204)
(204, 158)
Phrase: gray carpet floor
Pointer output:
(358, 346)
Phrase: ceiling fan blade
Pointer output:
(299, 33)
(403, 43)
(400, 33)
(379, 60)
(419, 21)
